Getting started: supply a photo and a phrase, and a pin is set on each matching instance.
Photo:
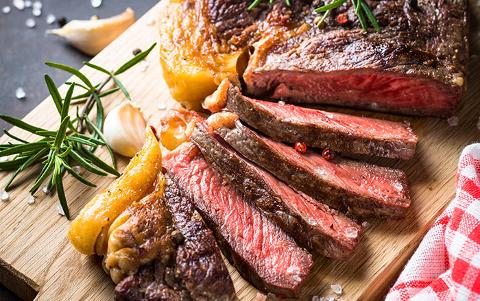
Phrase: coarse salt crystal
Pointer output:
(4, 195)
(282, 103)
(20, 93)
(6, 9)
(60, 210)
(365, 224)
(330, 298)
(351, 232)
(45, 189)
(336, 288)
(453, 121)
(30, 23)
(151, 22)
(28, 3)
(77, 169)
(19, 4)
(398, 186)
(161, 106)
(36, 12)
(51, 19)
(30, 200)
(37, 5)
(96, 3)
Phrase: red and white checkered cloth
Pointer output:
(446, 265)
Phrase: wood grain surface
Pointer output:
(36, 260)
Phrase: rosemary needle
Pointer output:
(75, 140)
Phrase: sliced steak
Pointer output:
(198, 261)
(258, 248)
(189, 265)
(313, 225)
(415, 65)
(339, 132)
(362, 189)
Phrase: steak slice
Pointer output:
(313, 225)
(258, 248)
(339, 132)
(362, 189)
(189, 265)
(415, 65)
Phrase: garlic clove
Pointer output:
(124, 129)
(91, 36)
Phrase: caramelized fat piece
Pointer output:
(89, 231)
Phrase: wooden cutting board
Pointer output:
(36, 260)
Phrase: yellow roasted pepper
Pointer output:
(89, 231)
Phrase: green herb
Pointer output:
(360, 7)
(75, 140)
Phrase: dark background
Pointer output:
(23, 52)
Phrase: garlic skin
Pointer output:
(91, 36)
(124, 129)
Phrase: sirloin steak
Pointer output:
(258, 248)
(339, 132)
(362, 189)
(313, 225)
(414, 65)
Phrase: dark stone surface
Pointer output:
(24, 51)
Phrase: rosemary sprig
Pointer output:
(360, 7)
(361, 10)
(69, 145)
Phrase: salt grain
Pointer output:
(336, 288)
(4, 196)
(30, 23)
(30, 200)
(282, 103)
(60, 210)
(151, 22)
(6, 9)
(45, 189)
(96, 3)
(161, 106)
(77, 169)
(28, 3)
(20, 93)
(365, 224)
(37, 12)
(453, 121)
(51, 19)
(19, 4)
(351, 232)
(37, 5)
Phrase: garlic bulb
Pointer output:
(124, 129)
(91, 36)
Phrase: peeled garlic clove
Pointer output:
(124, 129)
(91, 36)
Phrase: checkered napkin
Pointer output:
(446, 265)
